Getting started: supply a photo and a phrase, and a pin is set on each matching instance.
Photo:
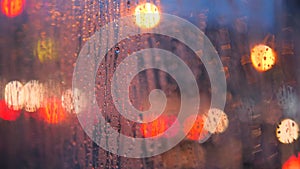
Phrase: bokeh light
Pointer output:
(14, 95)
(287, 131)
(12, 8)
(8, 114)
(33, 95)
(147, 15)
(67, 100)
(216, 121)
(292, 163)
(197, 131)
(158, 126)
(44, 49)
(263, 57)
(52, 112)
(80, 101)
(172, 120)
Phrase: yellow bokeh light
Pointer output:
(263, 57)
(147, 15)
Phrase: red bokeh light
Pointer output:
(12, 8)
(292, 163)
(7, 113)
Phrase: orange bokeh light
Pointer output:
(197, 131)
(52, 112)
(292, 163)
(263, 57)
(12, 8)
(159, 126)
(7, 113)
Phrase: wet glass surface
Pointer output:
(256, 41)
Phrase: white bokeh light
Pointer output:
(33, 95)
(216, 122)
(287, 131)
(67, 100)
(14, 95)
